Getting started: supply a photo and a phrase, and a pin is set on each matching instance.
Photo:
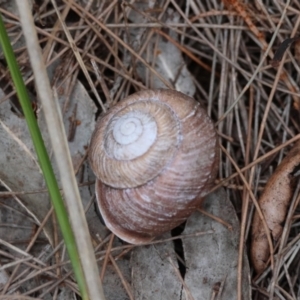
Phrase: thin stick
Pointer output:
(62, 155)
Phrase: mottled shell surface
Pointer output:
(155, 157)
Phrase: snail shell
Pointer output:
(155, 157)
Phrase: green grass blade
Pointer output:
(44, 160)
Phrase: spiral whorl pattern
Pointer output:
(130, 135)
(134, 142)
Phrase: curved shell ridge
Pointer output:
(153, 209)
(164, 207)
(185, 171)
(132, 215)
(127, 209)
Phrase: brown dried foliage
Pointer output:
(274, 203)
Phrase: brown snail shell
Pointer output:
(155, 157)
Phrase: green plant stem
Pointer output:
(44, 160)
